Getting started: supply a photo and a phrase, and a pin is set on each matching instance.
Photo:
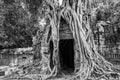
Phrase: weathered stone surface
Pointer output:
(65, 31)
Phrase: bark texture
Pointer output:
(89, 64)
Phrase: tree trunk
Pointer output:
(89, 64)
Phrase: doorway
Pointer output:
(66, 55)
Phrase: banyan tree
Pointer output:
(71, 44)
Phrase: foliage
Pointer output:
(17, 28)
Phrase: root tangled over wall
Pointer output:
(88, 62)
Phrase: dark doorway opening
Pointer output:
(66, 55)
(51, 49)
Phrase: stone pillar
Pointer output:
(37, 45)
